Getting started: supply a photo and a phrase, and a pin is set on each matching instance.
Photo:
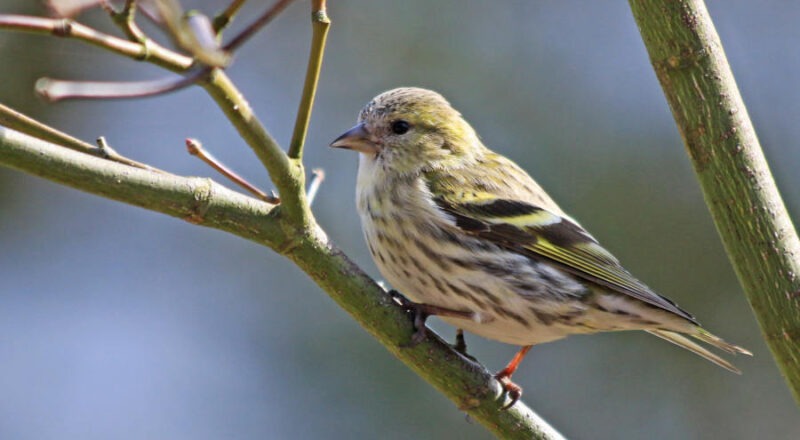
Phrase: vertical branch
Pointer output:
(320, 25)
(285, 174)
(738, 187)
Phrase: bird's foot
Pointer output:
(420, 313)
(512, 390)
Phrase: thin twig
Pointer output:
(195, 148)
(320, 23)
(126, 20)
(316, 182)
(194, 199)
(18, 121)
(67, 28)
(55, 90)
(192, 32)
(225, 18)
(287, 176)
(260, 22)
(204, 44)
(70, 8)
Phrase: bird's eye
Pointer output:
(400, 126)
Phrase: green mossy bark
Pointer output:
(738, 187)
(203, 202)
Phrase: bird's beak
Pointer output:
(358, 139)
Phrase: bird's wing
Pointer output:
(539, 233)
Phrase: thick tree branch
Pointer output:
(201, 201)
(288, 228)
(749, 213)
(196, 200)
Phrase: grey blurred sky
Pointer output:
(120, 323)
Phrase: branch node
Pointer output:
(146, 52)
(126, 20)
(106, 152)
(686, 57)
(63, 27)
(320, 16)
(202, 191)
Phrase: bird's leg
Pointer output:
(422, 312)
(504, 377)
(461, 345)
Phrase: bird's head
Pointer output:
(410, 130)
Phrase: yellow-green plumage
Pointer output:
(452, 224)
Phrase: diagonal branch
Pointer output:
(195, 148)
(225, 18)
(201, 201)
(740, 192)
(287, 175)
(16, 120)
(288, 228)
(196, 200)
(126, 20)
(148, 51)
(257, 25)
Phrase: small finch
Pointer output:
(466, 234)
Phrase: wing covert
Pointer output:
(537, 232)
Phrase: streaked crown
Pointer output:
(410, 129)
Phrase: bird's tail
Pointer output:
(703, 335)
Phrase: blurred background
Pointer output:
(120, 323)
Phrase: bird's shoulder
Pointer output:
(488, 177)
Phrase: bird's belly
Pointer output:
(512, 298)
(512, 332)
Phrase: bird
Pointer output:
(465, 234)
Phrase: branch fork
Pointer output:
(288, 228)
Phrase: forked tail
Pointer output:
(684, 342)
